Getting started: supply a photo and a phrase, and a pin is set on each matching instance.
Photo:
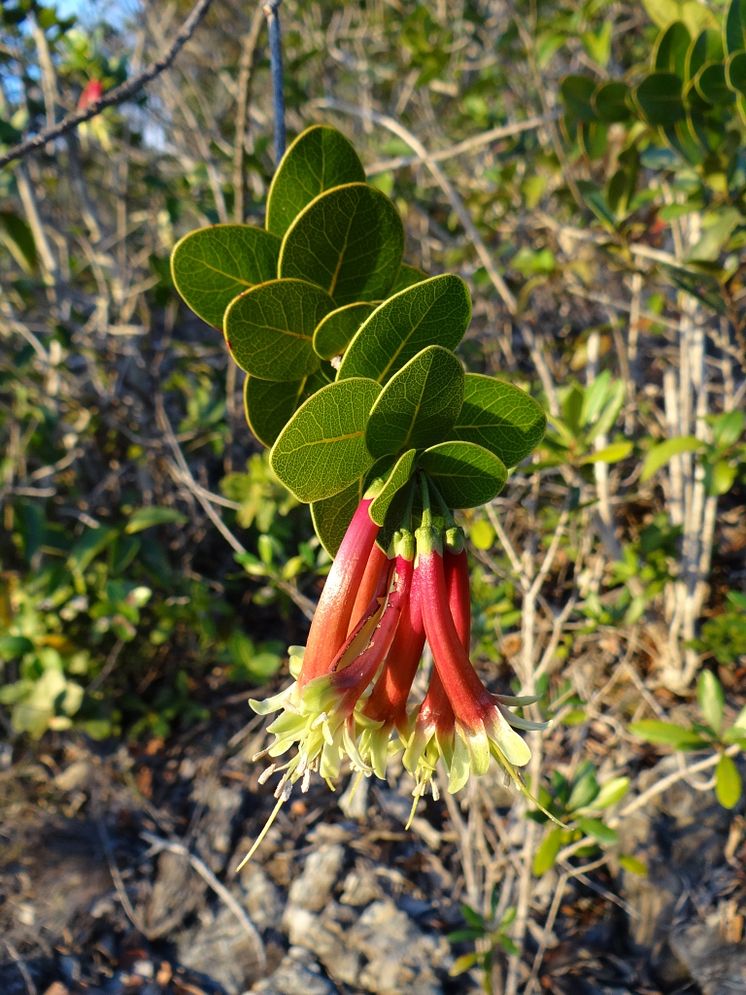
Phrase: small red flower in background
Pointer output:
(92, 92)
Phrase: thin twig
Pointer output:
(116, 96)
(272, 13)
(158, 844)
(245, 74)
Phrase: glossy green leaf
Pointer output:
(418, 405)
(712, 86)
(671, 49)
(146, 518)
(577, 94)
(349, 241)
(319, 159)
(269, 329)
(407, 277)
(667, 734)
(397, 478)
(598, 830)
(711, 699)
(611, 101)
(331, 516)
(706, 47)
(321, 451)
(660, 454)
(466, 474)
(659, 98)
(611, 792)
(546, 852)
(269, 405)
(499, 416)
(728, 785)
(735, 26)
(434, 312)
(596, 201)
(211, 266)
(609, 454)
(735, 72)
(687, 139)
(335, 331)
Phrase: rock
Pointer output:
(718, 968)
(219, 949)
(263, 899)
(313, 888)
(360, 887)
(327, 939)
(400, 956)
(177, 892)
(298, 974)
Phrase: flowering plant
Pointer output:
(371, 419)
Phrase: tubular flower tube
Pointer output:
(385, 709)
(482, 729)
(317, 716)
(331, 619)
(372, 585)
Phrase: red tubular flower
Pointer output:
(372, 585)
(331, 619)
(481, 727)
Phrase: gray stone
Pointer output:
(327, 939)
(400, 956)
(718, 968)
(298, 974)
(312, 889)
(263, 899)
(219, 948)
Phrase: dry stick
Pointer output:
(116, 96)
(245, 77)
(271, 12)
(443, 182)
(158, 844)
(468, 145)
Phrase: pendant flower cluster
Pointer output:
(353, 700)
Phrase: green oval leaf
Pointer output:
(577, 92)
(735, 72)
(434, 312)
(728, 786)
(546, 852)
(418, 405)
(659, 455)
(400, 474)
(269, 405)
(667, 734)
(269, 329)
(466, 474)
(711, 85)
(611, 101)
(735, 26)
(711, 699)
(671, 49)
(331, 516)
(598, 830)
(337, 329)
(319, 159)
(659, 98)
(706, 47)
(146, 518)
(501, 417)
(349, 241)
(211, 266)
(321, 450)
